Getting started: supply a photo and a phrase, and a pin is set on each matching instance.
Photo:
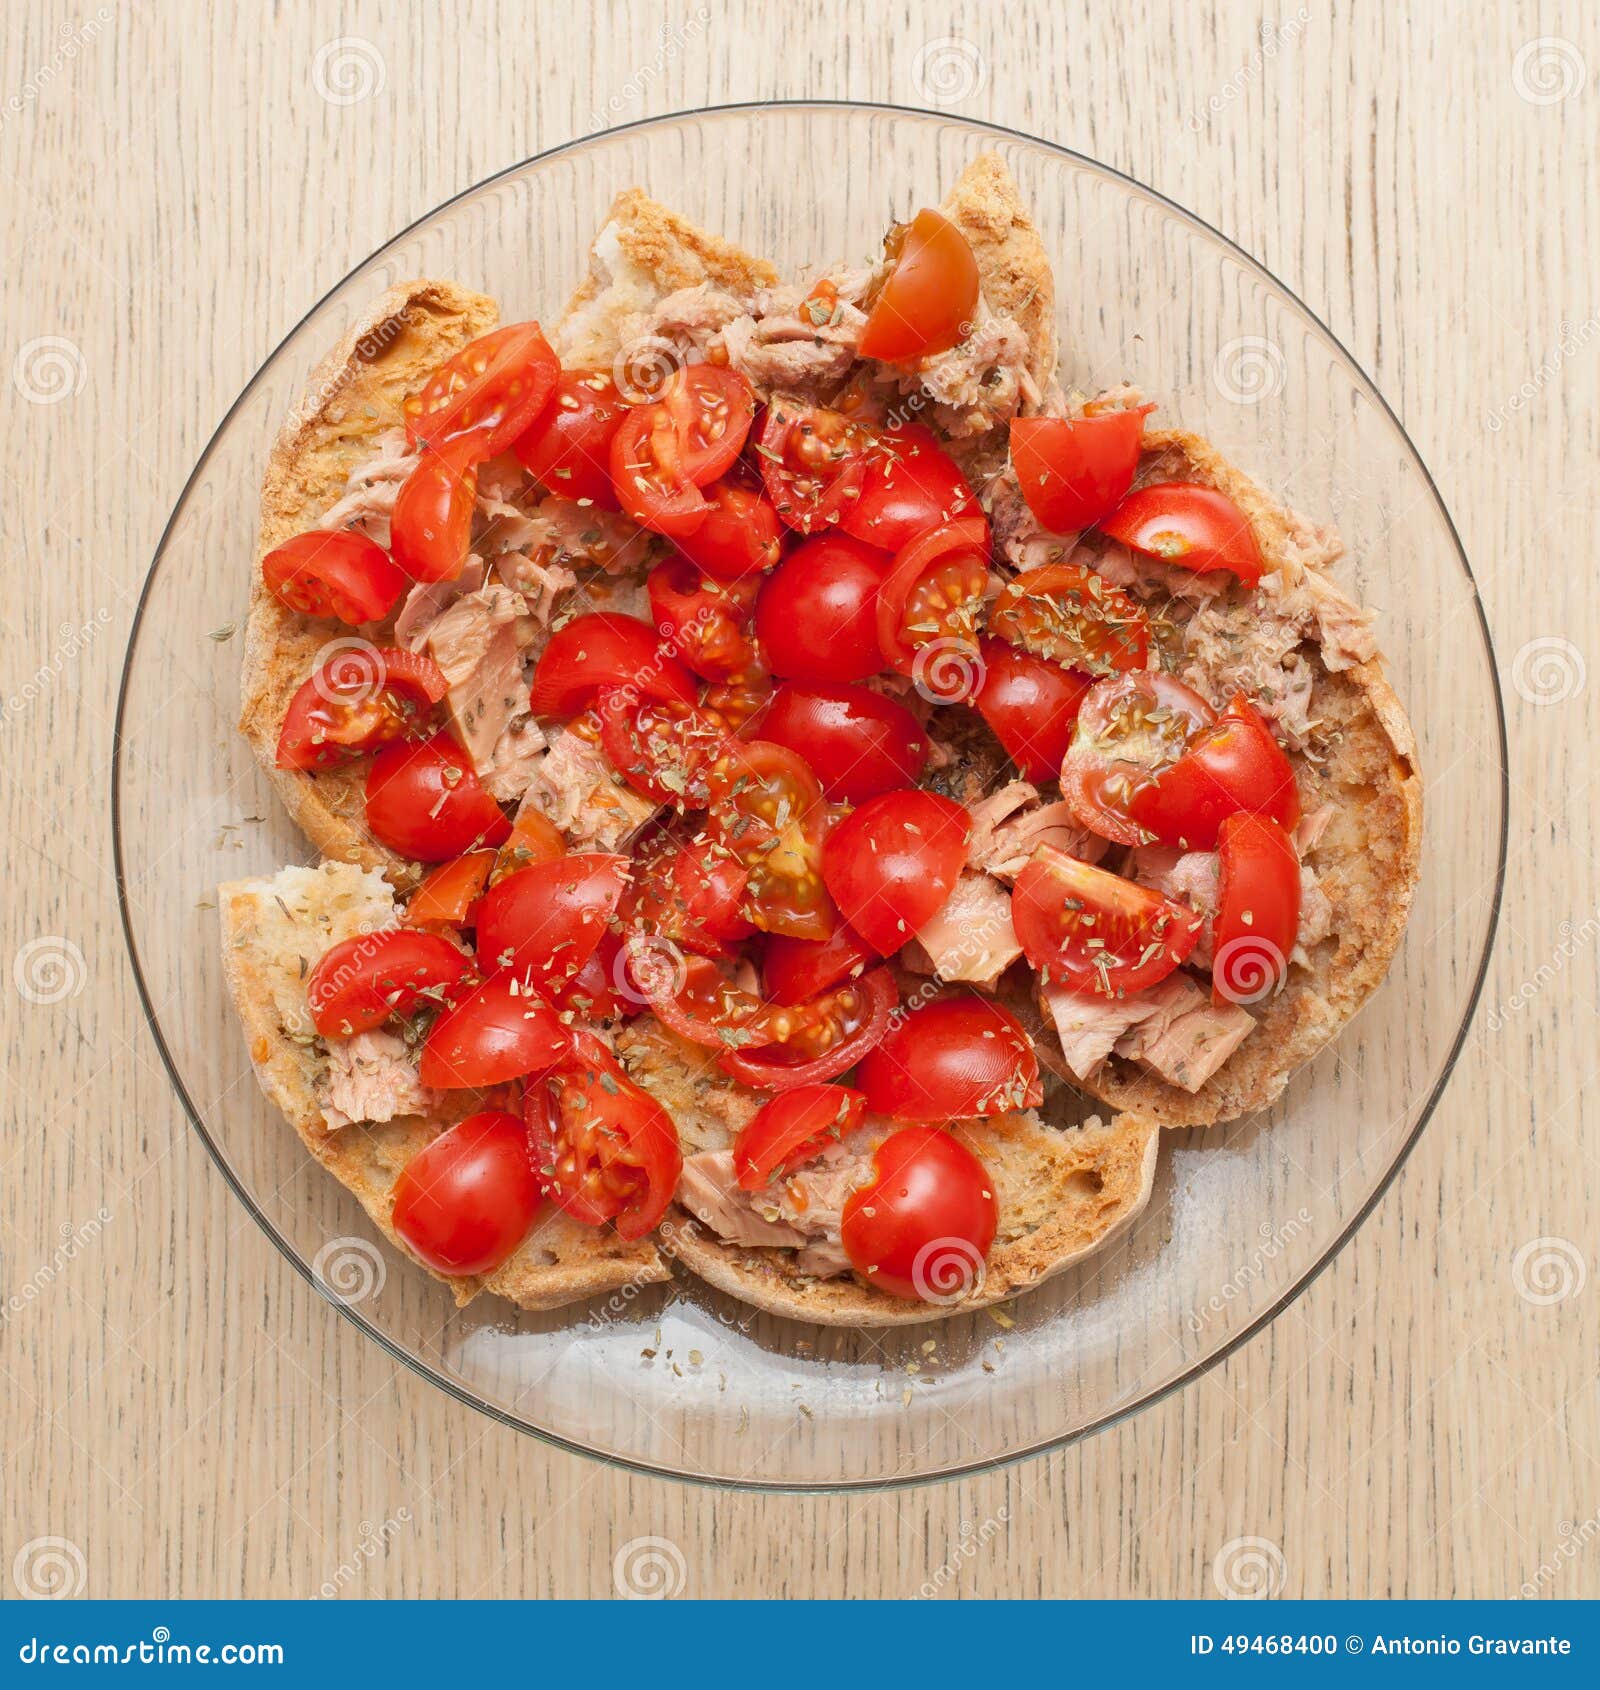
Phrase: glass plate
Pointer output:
(679, 1379)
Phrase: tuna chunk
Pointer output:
(1189, 876)
(1308, 835)
(369, 495)
(1019, 537)
(1249, 647)
(1316, 916)
(708, 1190)
(514, 759)
(478, 642)
(685, 322)
(791, 341)
(981, 381)
(1090, 1024)
(1009, 825)
(971, 939)
(429, 600)
(1147, 576)
(1173, 1029)
(371, 1077)
(578, 790)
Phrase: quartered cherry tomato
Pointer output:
(1073, 617)
(544, 922)
(490, 391)
(604, 649)
(568, 448)
(766, 807)
(430, 528)
(335, 572)
(1194, 527)
(814, 463)
(362, 698)
(603, 1149)
(661, 750)
(689, 893)
(924, 1225)
(858, 742)
(1233, 765)
(534, 839)
(448, 897)
(794, 1128)
(911, 485)
(365, 980)
(464, 1203)
(703, 621)
(739, 535)
(1072, 470)
(650, 474)
(1093, 932)
(793, 970)
(1032, 705)
(492, 1032)
(711, 409)
(821, 1039)
(892, 864)
(955, 1057)
(1130, 729)
(424, 801)
(931, 296)
(929, 605)
(599, 991)
(1258, 909)
(817, 617)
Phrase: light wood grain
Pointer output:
(178, 1403)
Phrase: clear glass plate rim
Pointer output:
(1157, 1394)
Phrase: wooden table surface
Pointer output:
(183, 1414)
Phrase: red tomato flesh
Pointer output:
(891, 864)
(910, 485)
(489, 392)
(738, 537)
(858, 742)
(1258, 909)
(931, 297)
(813, 461)
(1194, 527)
(1072, 470)
(599, 650)
(335, 572)
(1032, 705)
(953, 1058)
(495, 1031)
(464, 1203)
(1074, 617)
(568, 448)
(362, 698)
(424, 801)
(543, 922)
(817, 617)
(430, 527)
(365, 980)
(794, 1128)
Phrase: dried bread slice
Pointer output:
(1063, 1194)
(273, 930)
(1367, 861)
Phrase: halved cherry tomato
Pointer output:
(490, 391)
(661, 750)
(335, 572)
(1130, 729)
(1072, 470)
(739, 535)
(1093, 932)
(1258, 909)
(1074, 617)
(911, 485)
(892, 864)
(534, 839)
(858, 742)
(1032, 705)
(464, 1203)
(599, 650)
(931, 296)
(817, 617)
(711, 408)
(364, 980)
(826, 1035)
(704, 622)
(766, 807)
(424, 801)
(691, 894)
(650, 476)
(793, 970)
(923, 1227)
(736, 704)
(495, 1031)
(697, 1000)
(929, 605)
(952, 1058)
(794, 1128)
(1234, 765)
(814, 462)
(449, 895)
(603, 1149)
(544, 922)
(431, 525)
(568, 448)
(361, 698)
(1194, 527)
